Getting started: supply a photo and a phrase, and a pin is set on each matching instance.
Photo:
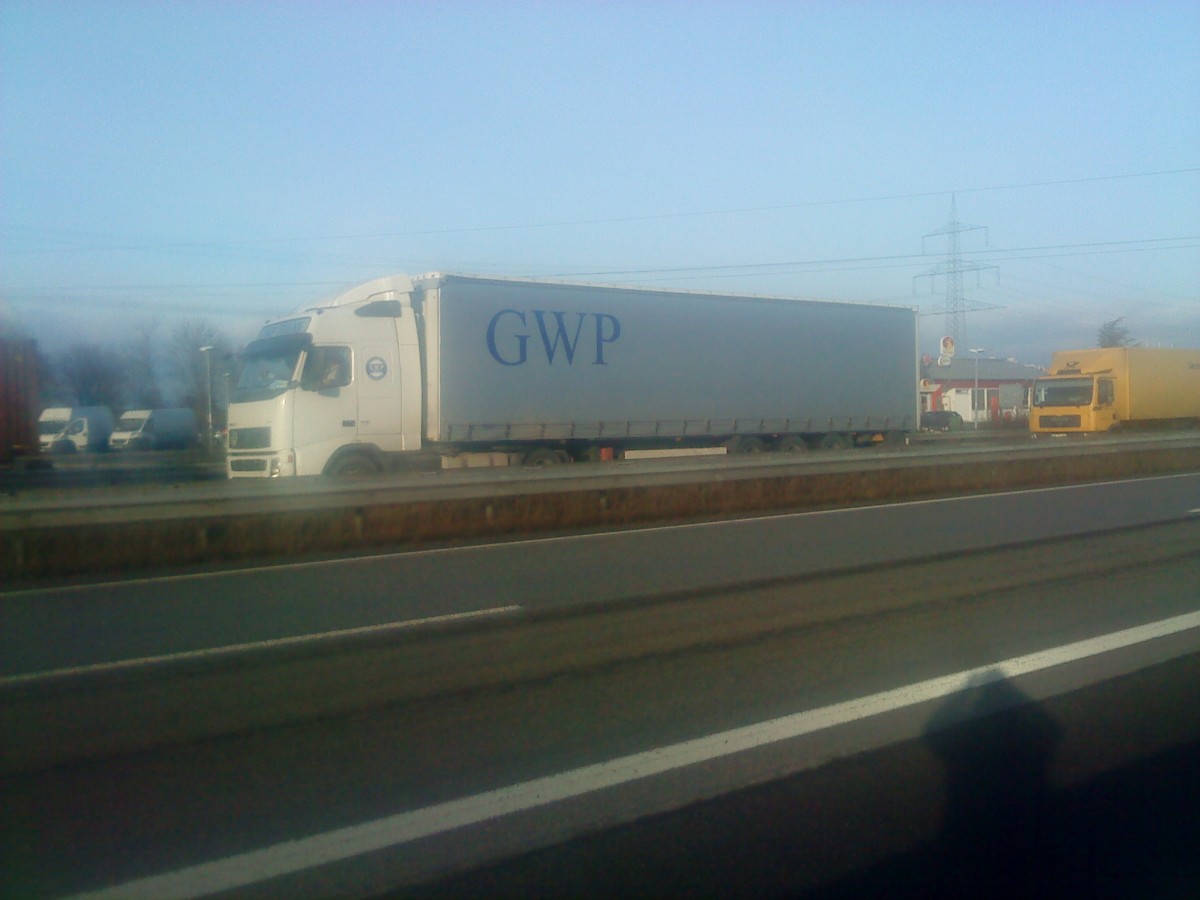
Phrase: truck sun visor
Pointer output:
(275, 346)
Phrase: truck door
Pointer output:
(379, 400)
(326, 413)
(1104, 411)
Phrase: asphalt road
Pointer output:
(51, 629)
(949, 730)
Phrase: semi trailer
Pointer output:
(18, 399)
(540, 372)
(1103, 389)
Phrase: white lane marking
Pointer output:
(290, 857)
(228, 649)
(555, 539)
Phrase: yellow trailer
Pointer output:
(1118, 387)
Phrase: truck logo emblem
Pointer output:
(561, 334)
(376, 368)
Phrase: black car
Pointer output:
(941, 420)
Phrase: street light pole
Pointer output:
(975, 393)
(207, 398)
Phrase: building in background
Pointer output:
(997, 391)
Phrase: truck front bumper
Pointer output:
(280, 464)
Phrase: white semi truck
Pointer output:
(542, 372)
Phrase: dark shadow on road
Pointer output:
(997, 836)
(1134, 832)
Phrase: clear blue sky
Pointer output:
(234, 160)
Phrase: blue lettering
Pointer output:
(555, 336)
(522, 339)
(601, 340)
(560, 335)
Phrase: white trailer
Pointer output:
(549, 371)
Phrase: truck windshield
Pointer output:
(1062, 392)
(266, 376)
(130, 423)
(51, 426)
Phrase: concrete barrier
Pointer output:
(132, 544)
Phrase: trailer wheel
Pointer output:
(835, 440)
(744, 443)
(540, 458)
(791, 443)
(353, 465)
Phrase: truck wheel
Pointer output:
(791, 443)
(835, 441)
(540, 458)
(744, 443)
(353, 465)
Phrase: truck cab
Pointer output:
(323, 392)
(1074, 402)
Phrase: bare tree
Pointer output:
(8, 325)
(49, 383)
(1114, 334)
(141, 357)
(188, 367)
(51, 391)
(93, 376)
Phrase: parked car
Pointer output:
(941, 420)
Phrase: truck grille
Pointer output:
(249, 438)
(1058, 421)
(248, 465)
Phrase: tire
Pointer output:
(791, 443)
(353, 465)
(744, 443)
(540, 458)
(834, 440)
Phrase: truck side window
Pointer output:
(1105, 392)
(326, 368)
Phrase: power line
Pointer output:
(907, 259)
(833, 264)
(650, 217)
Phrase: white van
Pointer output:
(155, 429)
(74, 429)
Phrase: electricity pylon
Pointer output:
(953, 268)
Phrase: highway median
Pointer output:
(125, 541)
